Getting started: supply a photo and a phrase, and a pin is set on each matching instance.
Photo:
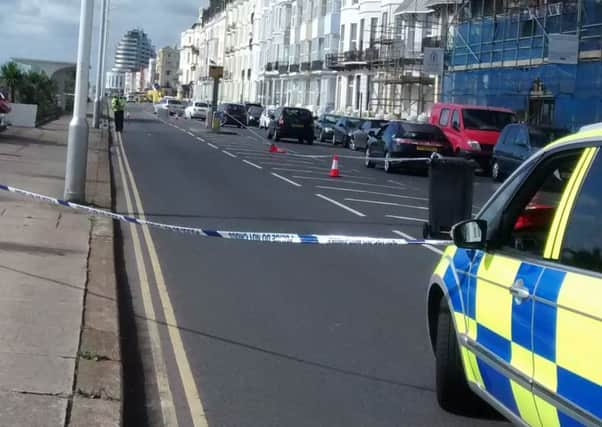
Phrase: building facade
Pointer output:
(133, 53)
(168, 65)
(542, 59)
(188, 78)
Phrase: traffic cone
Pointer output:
(334, 169)
(275, 149)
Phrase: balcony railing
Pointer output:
(305, 66)
(283, 68)
(268, 66)
(293, 68)
(317, 65)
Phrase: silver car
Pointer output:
(359, 137)
(172, 105)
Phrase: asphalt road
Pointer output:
(272, 334)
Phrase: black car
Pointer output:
(253, 114)
(516, 143)
(343, 129)
(359, 137)
(401, 139)
(324, 126)
(289, 122)
(232, 114)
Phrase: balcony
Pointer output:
(293, 68)
(317, 65)
(305, 66)
(283, 68)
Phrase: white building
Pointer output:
(168, 63)
(189, 58)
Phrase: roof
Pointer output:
(576, 138)
(476, 107)
(431, 3)
(412, 6)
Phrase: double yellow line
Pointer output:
(168, 412)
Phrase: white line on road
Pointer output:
(200, 139)
(326, 187)
(407, 236)
(377, 202)
(334, 202)
(408, 218)
(252, 164)
(343, 181)
(227, 153)
(212, 145)
(296, 184)
(190, 133)
(300, 170)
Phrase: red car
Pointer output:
(4, 105)
(472, 130)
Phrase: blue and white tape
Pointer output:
(316, 239)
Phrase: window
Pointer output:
(361, 46)
(358, 94)
(455, 118)
(444, 117)
(508, 135)
(353, 38)
(342, 39)
(582, 244)
(486, 119)
(525, 223)
(384, 22)
(373, 25)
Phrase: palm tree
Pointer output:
(12, 76)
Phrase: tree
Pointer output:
(12, 76)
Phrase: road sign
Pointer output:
(216, 72)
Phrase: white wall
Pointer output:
(23, 115)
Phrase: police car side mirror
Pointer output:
(470, 234)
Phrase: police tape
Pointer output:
(318, 239)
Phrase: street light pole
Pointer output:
(77, 146)
(100, 65)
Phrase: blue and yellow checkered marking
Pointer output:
(563, 356)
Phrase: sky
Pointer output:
(48, 29)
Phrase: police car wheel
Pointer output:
(453, 393)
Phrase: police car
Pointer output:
(515, 304)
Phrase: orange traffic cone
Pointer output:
(334, 169)
(275, 149)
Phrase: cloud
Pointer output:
(48, 29)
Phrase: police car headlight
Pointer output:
(327, 129)
(474, 145)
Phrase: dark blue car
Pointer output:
(401, 139)
(517, 143)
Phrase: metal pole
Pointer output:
(104, 52)
(77, 146)
(100, 64)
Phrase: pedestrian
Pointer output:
(118, 105)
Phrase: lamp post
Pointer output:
(77, 145)
(100, 64)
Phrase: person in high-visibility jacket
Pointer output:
(118, 105)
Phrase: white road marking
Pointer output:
(396, 183)
(227, 153)
(343, 181)
(347, 208)
(193, 399)
(296, 184)
(200, 139)
(407, 236)
(190, 133)
(408, 218)
(168, 411)
(326, 187)
(300, 170)
(376, 202)
(252, 164)
(212, 145)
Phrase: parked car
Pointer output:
(343, 128)
(196, 110)
(472, 130)
(264, 119)
(172, 105)
(248, 105)
(359, 137)
(402, 139)
(253, 115)
(232, 114)
(324, 126)
(289, 122)
(4, 110)
(517, 143)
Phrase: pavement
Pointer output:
(60, 362)
(231, 333)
